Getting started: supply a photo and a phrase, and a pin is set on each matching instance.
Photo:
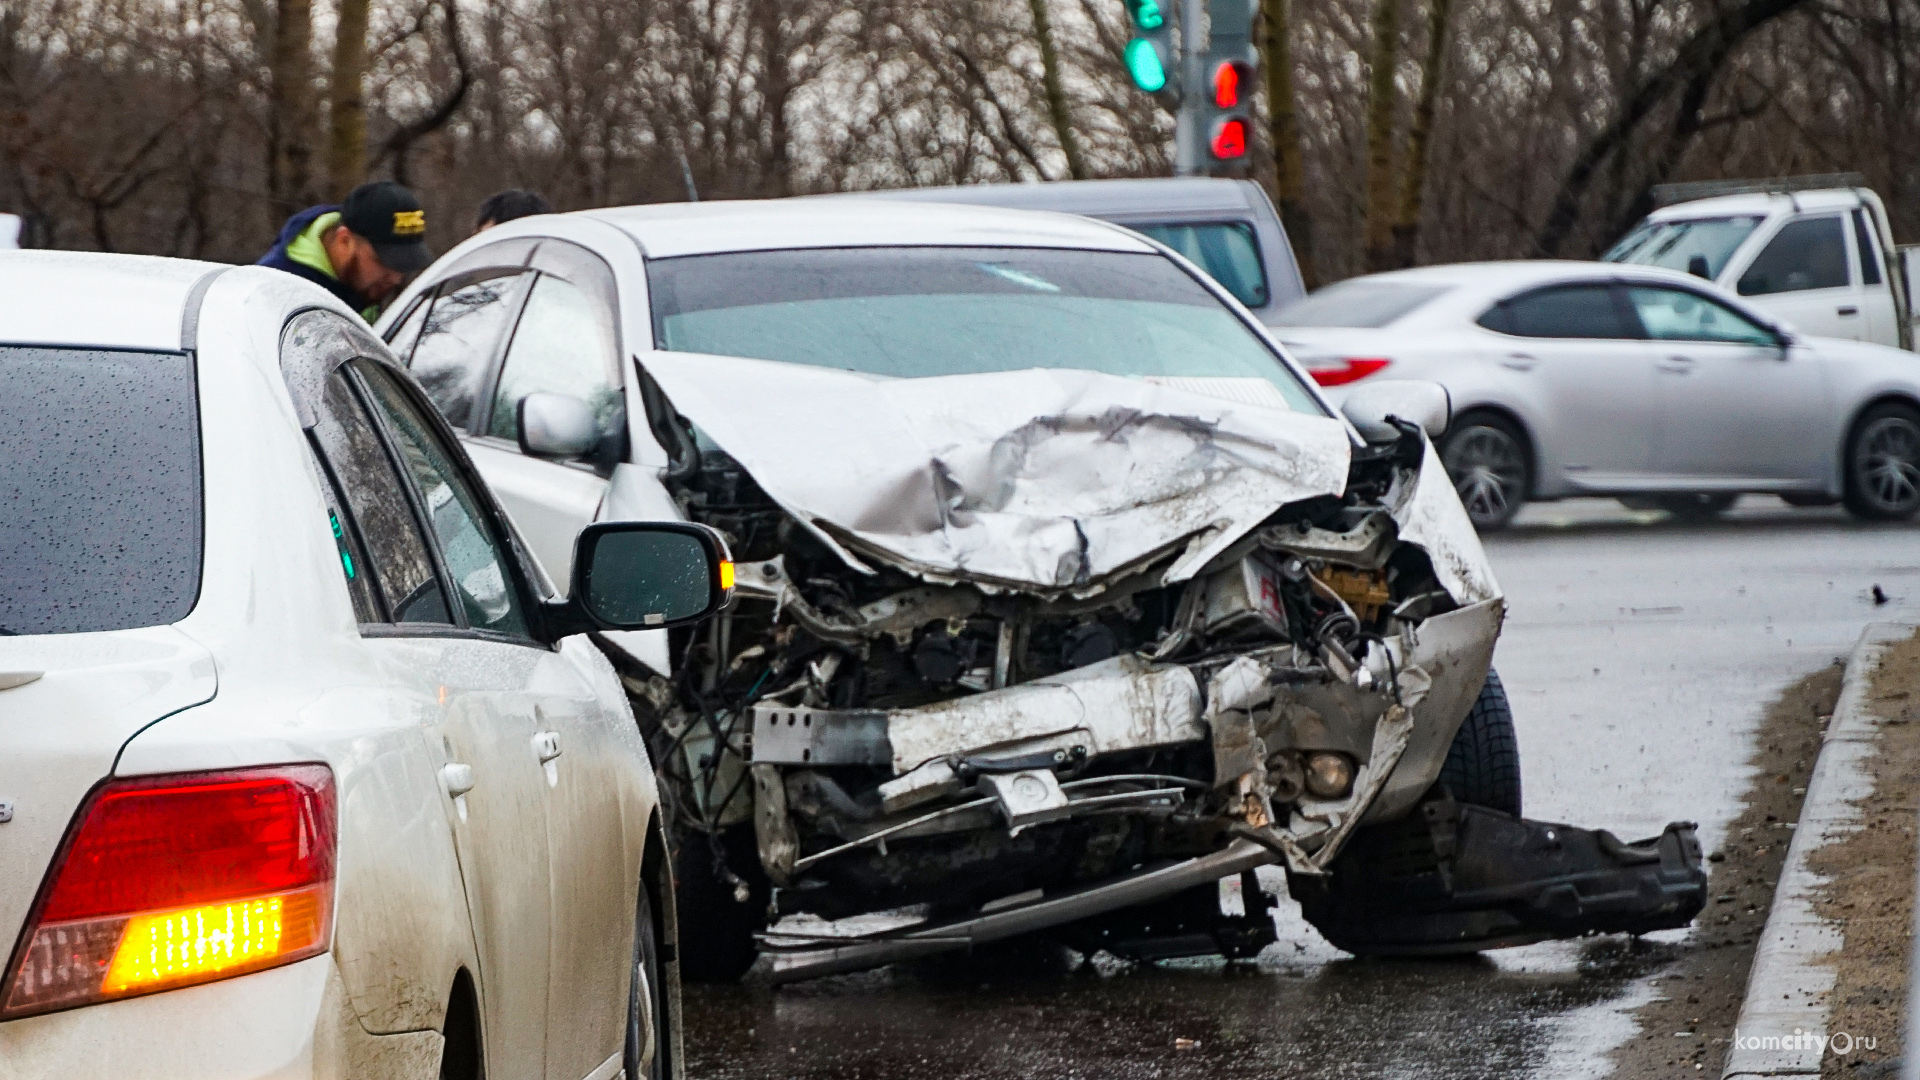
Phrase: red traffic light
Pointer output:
(1229, 139)
(1231, 81)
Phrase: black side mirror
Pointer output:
(642, 575)
(1697, 266)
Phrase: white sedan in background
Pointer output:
(1573, 378)
(302, 771)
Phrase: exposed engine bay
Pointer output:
(1247, 667)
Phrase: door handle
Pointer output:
(1519, 362)
(458, 777)
(1849, 310)
(547, 745)
(1679, 365)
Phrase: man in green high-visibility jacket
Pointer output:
(361, 250)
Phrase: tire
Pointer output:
(1483, 764)
(1696, 505)
(717, 930)
(649, 1050)
(1883, 464)
(1491, 467)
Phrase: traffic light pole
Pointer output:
(1189, 133)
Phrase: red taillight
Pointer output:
(1342, 370)
(168, 881)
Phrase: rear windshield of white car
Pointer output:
(100, 509)
(1358, 303)
(925, 311)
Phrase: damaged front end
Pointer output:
(1093, 654)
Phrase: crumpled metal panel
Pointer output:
(1041, 480)
(1432, 518)
(1118, 704)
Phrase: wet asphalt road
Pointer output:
(1639, 655)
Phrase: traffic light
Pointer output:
(1149, 55)
(1230, 73)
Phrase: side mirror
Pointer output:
(642, 575)
(1697, 266)
(1427, 404)
(556, 426)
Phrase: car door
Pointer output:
(1576, 358)
(466, 683)
(1802, 275)
(565, 341)
(1877, 309)
(575, 742)
(1737, 404)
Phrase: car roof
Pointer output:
(667, 230)
(89, 298)
(1758, 203)
(1499, 277)
(1475, 285)
(1152, 195)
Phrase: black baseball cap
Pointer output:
(389, 217)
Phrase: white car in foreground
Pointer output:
(302, 771)
(1573, 378)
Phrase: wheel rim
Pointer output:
(1887, 463)
(1489, 472)
(643, 990)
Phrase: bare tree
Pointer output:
(346, 99)
(1283, 134)
(1381, 101)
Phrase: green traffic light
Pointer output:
(1146, 14)
(1144, 64)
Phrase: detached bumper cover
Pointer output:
(1456, 878)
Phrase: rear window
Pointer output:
(100, 508)
(1358, 303)
(1226, 250)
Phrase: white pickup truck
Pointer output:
(1815, 252)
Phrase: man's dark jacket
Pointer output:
(277, 258)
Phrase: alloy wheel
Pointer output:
(1887, 465)
(1489, 471)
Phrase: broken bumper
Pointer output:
(1458, 878)
(1266, 702)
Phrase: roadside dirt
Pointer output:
(1684, 1030)
(1871, 879)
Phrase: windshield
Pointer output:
(925, 311)
(1360, 302)
(99, 490)
(1675, 244)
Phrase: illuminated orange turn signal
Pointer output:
(726, 574)
(191, 944)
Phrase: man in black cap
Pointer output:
(361, 250)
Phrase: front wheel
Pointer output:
(649, 1019)
(1883, 464)
(1483, 764)
(1487, 458)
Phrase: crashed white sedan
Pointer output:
(1063, 593)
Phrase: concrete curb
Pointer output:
(1782, 1030)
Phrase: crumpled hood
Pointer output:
(1043, 480)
